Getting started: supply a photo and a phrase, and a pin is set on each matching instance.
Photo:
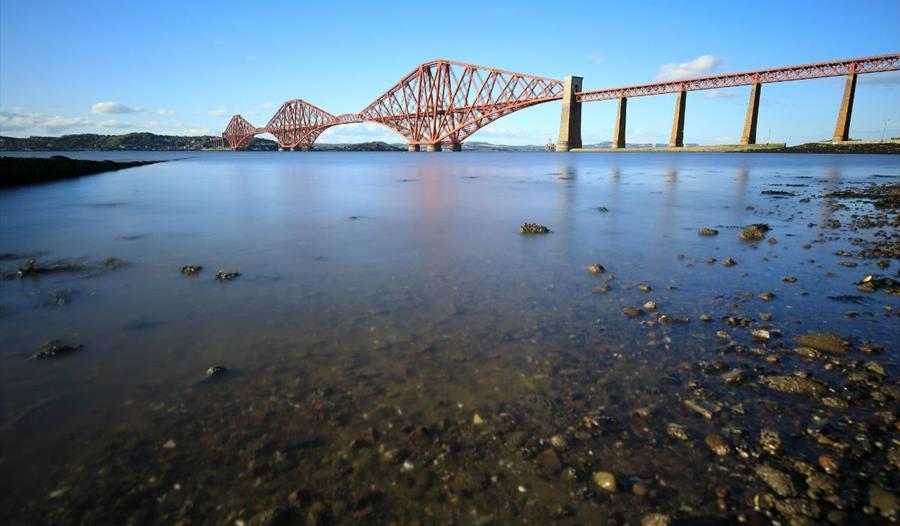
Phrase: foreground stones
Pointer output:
(708, 232)
(226, 276)
(191, 270)
(794, 385)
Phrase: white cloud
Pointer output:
(113, 123)
(13, 120)
(694, 68)
(163, 111)
(194, 131)
(216, 112)
(719, 94)
(114, 107)
(596, 58)
(265, 105)
(150, 125)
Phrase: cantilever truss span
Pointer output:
(439, 102)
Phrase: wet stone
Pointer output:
(548, 461)
(779, 481)
(55, 349)
(656, 519)
(605, 481)
(700, 408)
(632, 312)
(824, 342)
(828, 464)
(793, 385)
(754, 232)
(767, 296)
(887, 503)
(216, 371)
(729, 262)
(533, 228)
(226, 276)
(191, 270)
(789, 279)
(716, 444)
(596, 268)
(643, 287)
(808, 353)
(734, 377)
(677, 431)
(708, 232)
(770, 441)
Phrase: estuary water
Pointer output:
(394, 350)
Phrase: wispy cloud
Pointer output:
(265, 105)
(720, 94)
(12, 120)
(216, 112)
(110, 107)
(889, 79)
(693, 68)
(194, 131)
(165, 112)
(596, 58)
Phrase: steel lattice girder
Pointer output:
(239, 133)
(746, 78)
(445, 102)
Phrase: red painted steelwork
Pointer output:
(747, 78)
(445, 102)
(239, 133)
(439, 102)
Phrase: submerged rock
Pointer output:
(191, 270)
(216, 371)
(793, 385)
(823, 341)
(55, 349)
(596, 268)
(708, 232)
(754, 232)
(226, 276)
(779, 481)
(533, 228)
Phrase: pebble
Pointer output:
(779, 481)
(605, 481)
(708, 232)
(808, 353)
(560, 442)
(596, 268)
(700, 408)
(643, 287)
(717, 445)
(793, 385)
(789, 279)
(216, 370)
(632, 312)
(770, 440)
(169, 445)
(767, 296)
(650, 306)
(656, 519)
(760, 334)
(677, 431)
(828, 464)
(477, 420)
(408, 466)
(226, 276)
(729, 262)
(639, 489)
(733, 377)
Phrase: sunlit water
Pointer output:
(400, 281)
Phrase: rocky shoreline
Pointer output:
(23, 171)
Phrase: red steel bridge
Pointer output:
(441, 103)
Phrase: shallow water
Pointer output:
(380, 292)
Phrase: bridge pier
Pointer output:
(412, 147)
(842, 128)
(455, 147)
(749, 135)
(677, 139)
(619, 135)
(570, 119)
(433, 147)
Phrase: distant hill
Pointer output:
(127, 142)
(153, 142)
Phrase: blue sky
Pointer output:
(185, 67)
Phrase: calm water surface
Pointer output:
(382, 292)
